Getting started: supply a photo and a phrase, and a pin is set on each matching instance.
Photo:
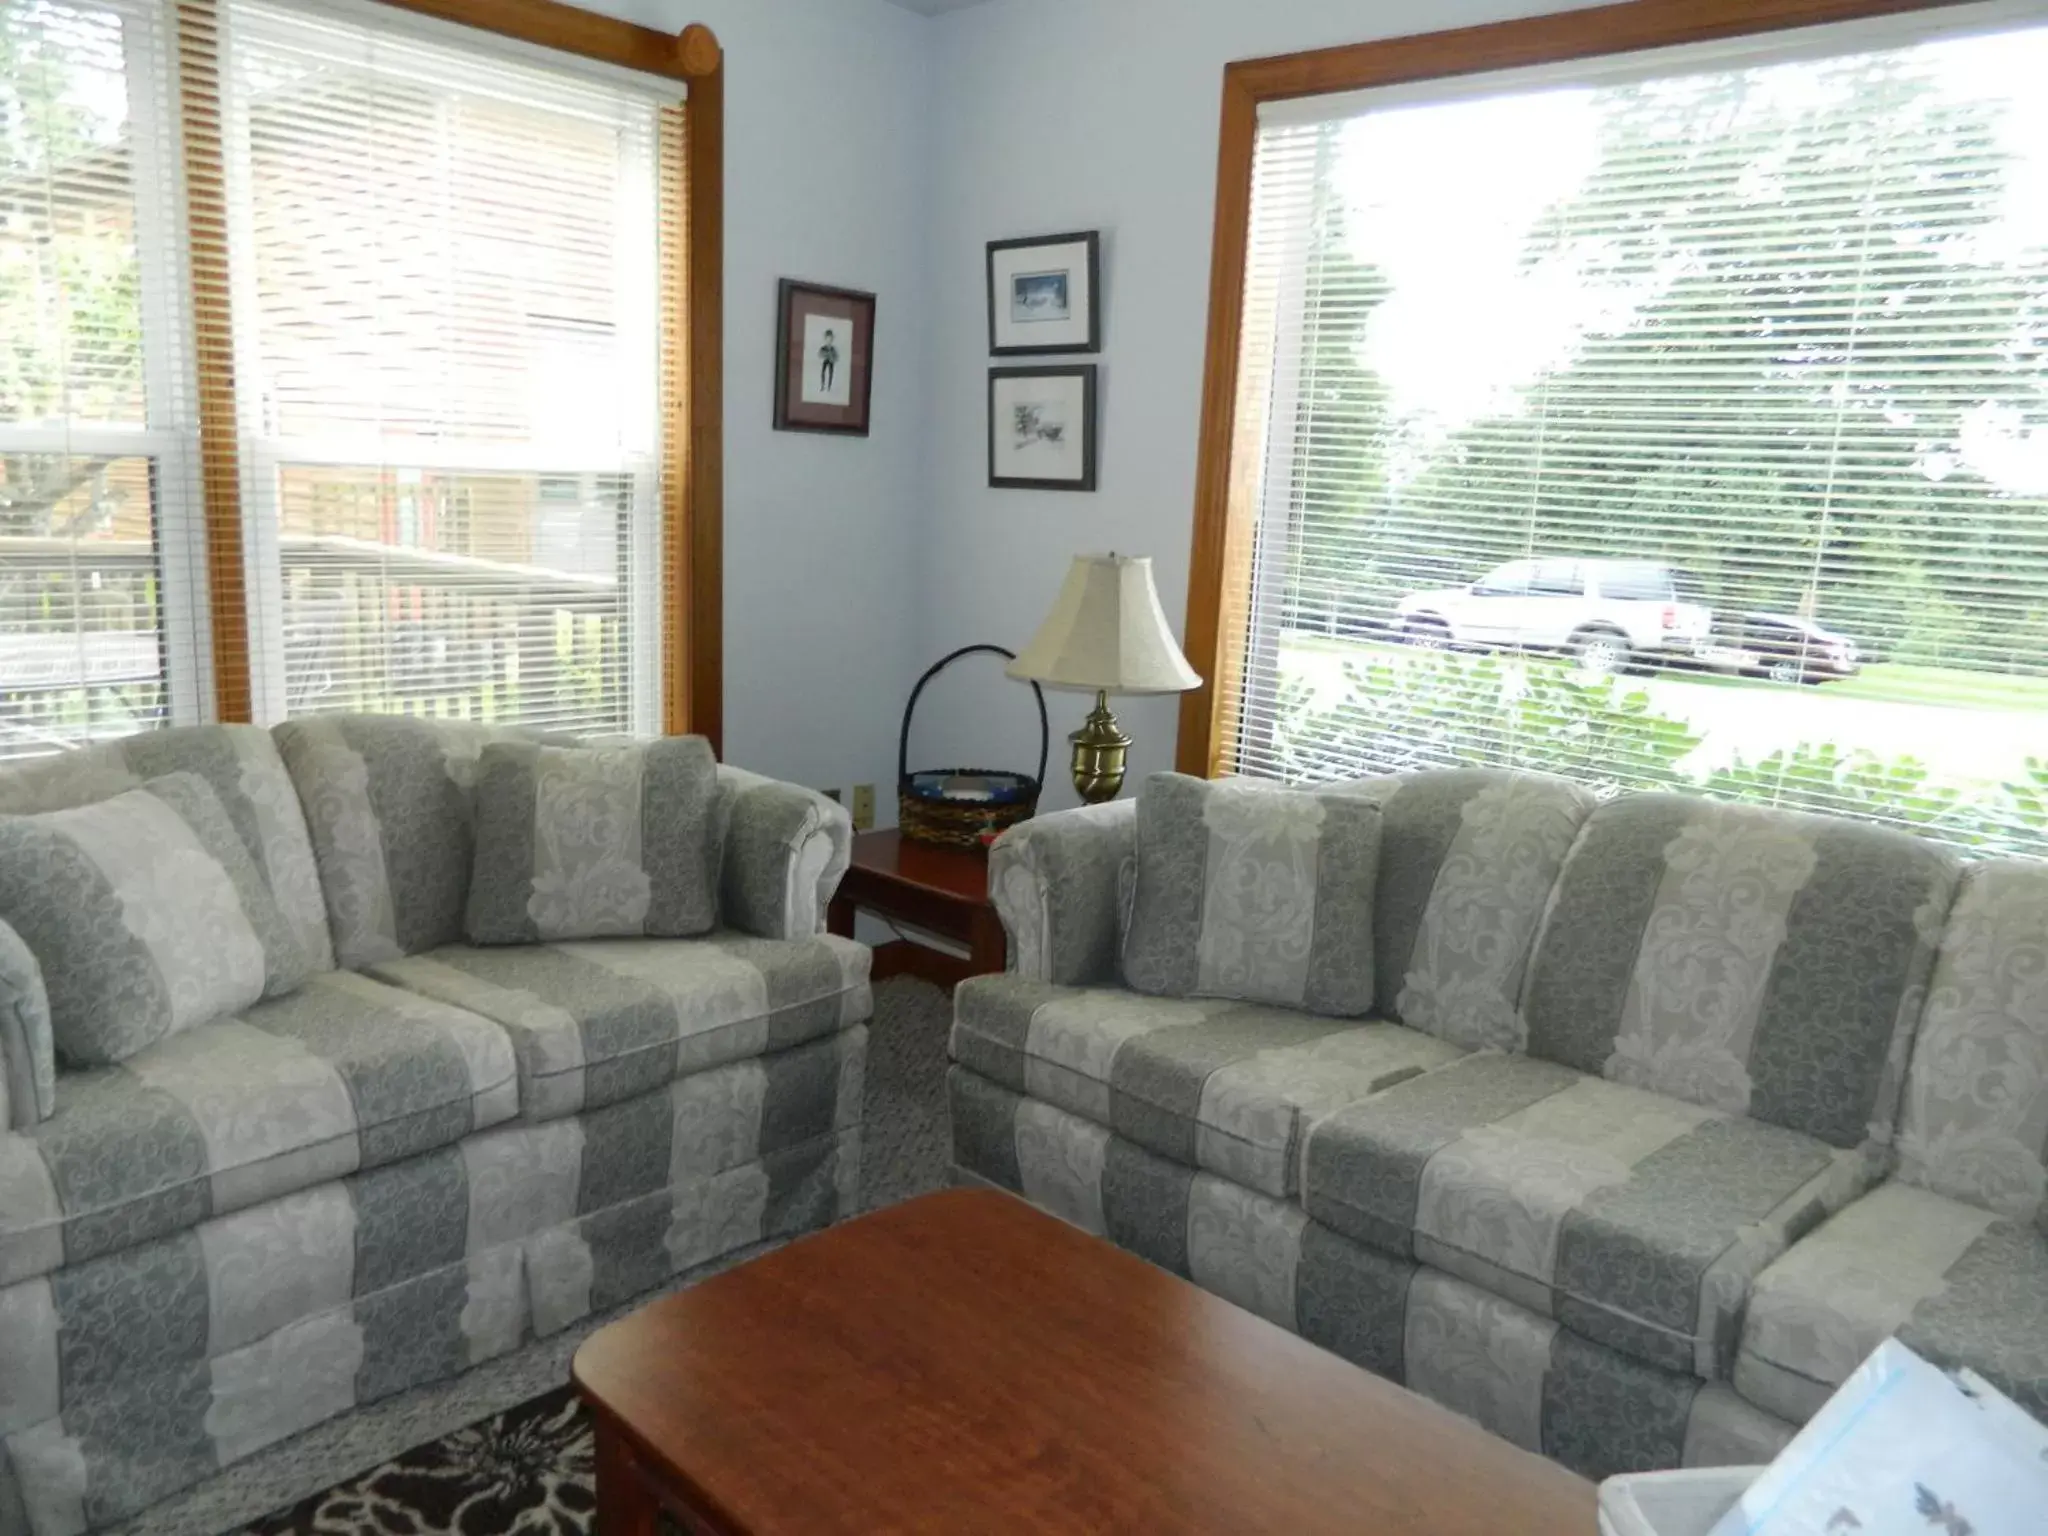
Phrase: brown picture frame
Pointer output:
(810, 356)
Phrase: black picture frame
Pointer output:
(1090, 241)
(795, 298)
(1086, 374)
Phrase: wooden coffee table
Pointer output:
(964, 1363)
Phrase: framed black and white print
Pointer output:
(824, 357)
(1041, 428)
(1045, 294)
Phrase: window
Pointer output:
(347, 366)
(1557, 578)
(1737, 355)
(1509, 581)
(99, 602)
(447, 301)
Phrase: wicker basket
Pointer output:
(957, 807)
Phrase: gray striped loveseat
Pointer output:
(422, 1156)
(1667, 1112)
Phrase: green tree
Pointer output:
(1339, 422)
(70, 298)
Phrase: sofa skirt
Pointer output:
(127, 1378)
(1518, 1374)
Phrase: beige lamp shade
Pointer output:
(1106, 633)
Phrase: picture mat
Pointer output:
(1074, 329)
(1039, 429)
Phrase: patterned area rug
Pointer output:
(526, 1472)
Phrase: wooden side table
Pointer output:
(941, 890)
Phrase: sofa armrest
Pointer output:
(1056, 883)
(28, 1059)
(784, 849)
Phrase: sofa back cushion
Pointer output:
(594, 842)
(1975, 1122)
(1755, 961)
(390, 806)
(1467, 860)
(1253, 892)
(146, 915)
(241, 764)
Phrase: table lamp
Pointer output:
(1106, 634)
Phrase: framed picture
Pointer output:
(1041, 428)
(1045, 294)
(824, 358)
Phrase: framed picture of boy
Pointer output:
(824, 351)
(1044, 294)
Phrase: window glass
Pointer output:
(446, 282)
(1746, 331)
(99, 607)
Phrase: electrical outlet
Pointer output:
(863, 807)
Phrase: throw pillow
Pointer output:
(594, 842)
(147, 916)
(1253, 892)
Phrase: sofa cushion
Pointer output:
(1756, 961)
(389, 805)
(1960, 1285)
(1253, 892)
(599, 1021)
(146, 915)
(1468, 857)
(594, 842)
(1226, 1086)
(345, 1073)
(1974, 1125)
(241, 763)
(1636, 1219)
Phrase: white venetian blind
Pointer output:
(1761, 332)
(100, 587)
(447, 305)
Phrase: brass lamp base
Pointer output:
(1100, 750)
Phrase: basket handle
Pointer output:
(903, 737)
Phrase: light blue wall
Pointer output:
(828, 177)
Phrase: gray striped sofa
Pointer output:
(1668, 1111)
(422, 1157)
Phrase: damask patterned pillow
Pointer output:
(594, 842)
(147, 916)
(1253, 892)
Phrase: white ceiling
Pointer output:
(936, 7)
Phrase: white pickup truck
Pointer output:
(1607, 613)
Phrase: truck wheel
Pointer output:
(1600, 652)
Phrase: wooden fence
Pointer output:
(367, 627)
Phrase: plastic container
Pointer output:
(1671, 1503)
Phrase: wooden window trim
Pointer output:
(693, 287)
(1226, 481)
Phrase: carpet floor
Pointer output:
(504, 1450)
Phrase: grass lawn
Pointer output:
(1887, 682)
(1944, 685)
